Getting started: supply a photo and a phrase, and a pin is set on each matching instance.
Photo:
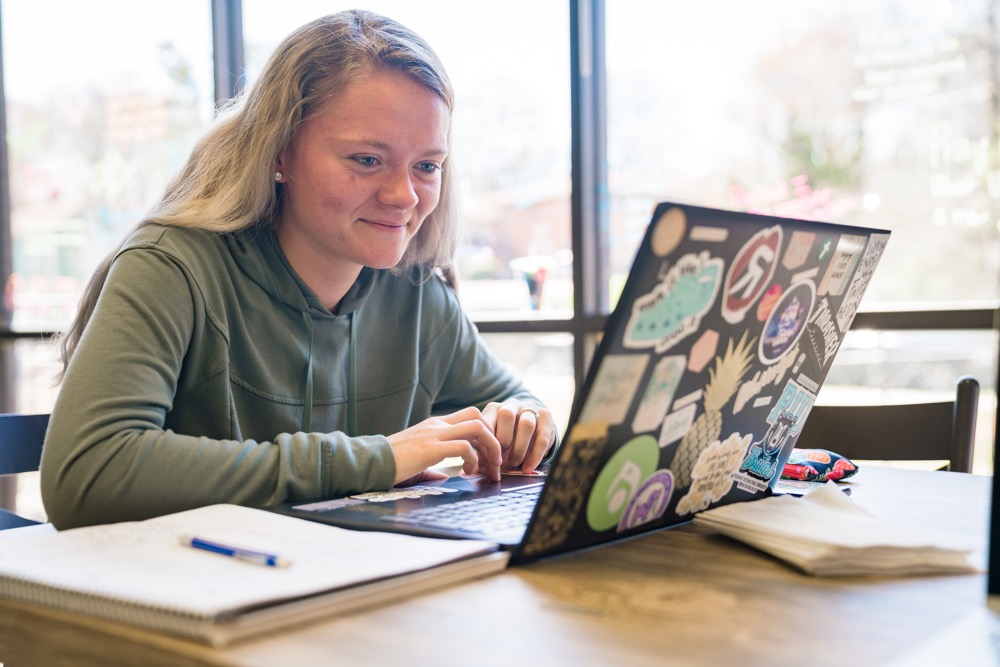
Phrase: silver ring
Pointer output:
(538, 417)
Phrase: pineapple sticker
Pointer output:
(723, 381)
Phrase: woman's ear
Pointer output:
(279, 167)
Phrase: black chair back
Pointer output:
(940, 430)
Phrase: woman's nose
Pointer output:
(397, 190)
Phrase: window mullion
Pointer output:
(589, 175)
(227, 42)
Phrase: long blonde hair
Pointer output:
(227, 183)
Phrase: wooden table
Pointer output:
(675, 597)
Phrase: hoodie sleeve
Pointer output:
(470, 373)
(108, 456)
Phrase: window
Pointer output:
(96, 127)
(866, 113)
(879, 114)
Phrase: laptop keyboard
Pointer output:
(508, 510)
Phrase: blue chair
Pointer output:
(21, 438)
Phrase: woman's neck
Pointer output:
(329, 281)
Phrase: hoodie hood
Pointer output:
(258, 254)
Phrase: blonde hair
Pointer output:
(227, 183)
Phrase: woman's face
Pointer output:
(361, 176)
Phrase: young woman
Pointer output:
(281, 327)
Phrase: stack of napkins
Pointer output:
(827, 533)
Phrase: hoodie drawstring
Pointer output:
(352, 378)
(308, 407)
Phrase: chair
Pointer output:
(21, 438)
(943, 430)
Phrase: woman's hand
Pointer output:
(526, 432)
(465, 433)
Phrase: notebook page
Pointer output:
(145, 562)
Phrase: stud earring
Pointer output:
(277, 176)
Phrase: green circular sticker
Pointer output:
(621, 476)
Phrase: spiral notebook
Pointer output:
(143, 574)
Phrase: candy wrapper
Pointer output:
(818, 465)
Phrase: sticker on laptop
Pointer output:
(760, 465)
(822, 338)
(674, 308)
(762, 380)
(659, 393)
(325, 505)
(611, 392)
(825, 248)
(846, 256)
(785, 420)
(709, 234)
(796, 399)
(517, 472)
(797, 252)
(566, 489)
(724, 380)
(649, 501)
(768, 301)
(859, 283)
(618, 480)
(703, 350)
(405, 492)
(668, 232)
(677, 424)
(750, 273)
(712, 474)
(787, 321)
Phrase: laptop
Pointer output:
(705, 373)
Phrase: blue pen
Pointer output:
(241, 553)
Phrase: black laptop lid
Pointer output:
(724, 332)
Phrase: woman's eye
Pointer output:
(366, 160)
(428, 167)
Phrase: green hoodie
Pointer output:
(210, 373)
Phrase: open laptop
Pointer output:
(706, 371)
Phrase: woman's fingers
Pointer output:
(471, 413)
(545, 439)
(525, 431)
(476, 435)
(462, 434)
(502, 417)
(510, 434)
(525, 425)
